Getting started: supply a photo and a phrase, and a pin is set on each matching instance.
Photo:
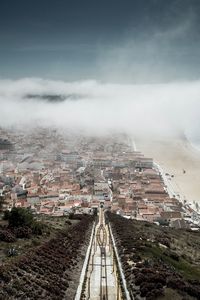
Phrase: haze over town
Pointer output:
(170, 109)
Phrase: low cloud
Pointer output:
(139, 109)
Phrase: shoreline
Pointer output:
(194, 146)
(179, 158)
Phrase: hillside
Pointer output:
(158, 262)
(50, 270)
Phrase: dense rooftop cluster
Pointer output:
(57, 173)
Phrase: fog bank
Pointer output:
(92, 107)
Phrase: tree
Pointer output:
(1, 203)
(19, 217)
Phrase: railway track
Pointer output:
(103, 274)
(101, 237)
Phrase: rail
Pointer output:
(127, 294)
(102, 241)
(85, 266)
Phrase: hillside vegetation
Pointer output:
(159, 262)
(50, 270)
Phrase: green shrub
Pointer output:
(19, 217)
(6, 215)
(37, 228)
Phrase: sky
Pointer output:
(124, 41)
(125, 65)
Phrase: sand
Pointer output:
(174, 156)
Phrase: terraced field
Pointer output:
(158, 262)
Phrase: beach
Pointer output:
(180, 159)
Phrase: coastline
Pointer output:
(179, 158)
(196, 147)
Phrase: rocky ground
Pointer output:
(158, 262)
(51, 270)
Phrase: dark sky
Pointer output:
(123, 40)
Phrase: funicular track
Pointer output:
(101, 237)
(103, 277)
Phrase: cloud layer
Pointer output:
(148, 110)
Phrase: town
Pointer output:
(57, 173)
